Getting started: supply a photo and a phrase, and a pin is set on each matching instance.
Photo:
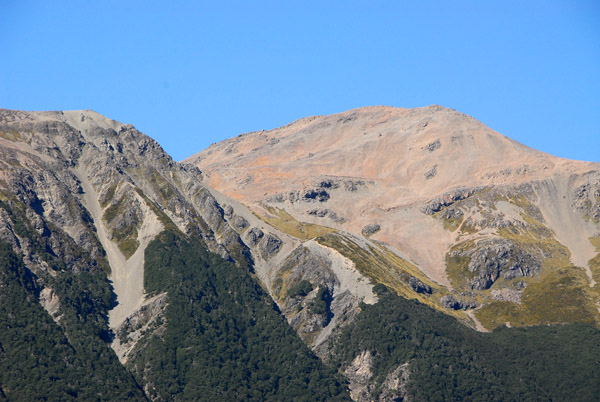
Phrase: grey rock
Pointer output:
(449, 198)
(253, 236)
(269, 245)
(239, 222)
(353, 185)
(227, 211)
(452, 303)
(328, 183)
(501, 257)
(393, 388)
(451, 213)
(324, 212)
(370, 229)
(319, 195)
(418, 286)
(431, 173)
(433, 146)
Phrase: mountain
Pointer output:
(338, 257)
(122, 259)
(510, 232)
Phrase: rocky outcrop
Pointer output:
(253, 236)
(332, 300)
(325, 212)
(449, 198)
(394, 388)
(362, 389)
(359, 374)
(269, 245)
(418, 286)
(370, 229)
(454, 303)
(149, 318)
(492, 259)
(304, 265)
(586, 199)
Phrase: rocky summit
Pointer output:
(376, 254)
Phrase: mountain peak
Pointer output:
(402, 147)
(395, 159)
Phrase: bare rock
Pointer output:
(449, 198)
(253, 236)
(324, 212)
(370, 229)
(359, 374)
(418, 286)
(497, 257)
(239, 222)
(432, 146)
(393, 388)
(453, 303)
(269, 245)
(430, 174)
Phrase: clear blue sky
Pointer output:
(189, 73)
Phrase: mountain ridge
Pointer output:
(136, 259)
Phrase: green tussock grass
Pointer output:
(560, 294)
(162, 217)
(383, 266)
(456, 267)
(108, 196)
(126, 237)
(450, 224)
(11, 135)
(559, 297)
(285, 222)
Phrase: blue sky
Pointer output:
(190, 73)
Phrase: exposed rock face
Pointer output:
(253, 236)
(96, 192)
(333, 299)
(451, 302)
(370, 229)
(324, 212)
(442, 201)
(495, 258)
(269, 246)
(394, 386)
(418, 286)
(359, 374)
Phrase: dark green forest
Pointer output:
(451, 362)
(38, 362)
(223, 338)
